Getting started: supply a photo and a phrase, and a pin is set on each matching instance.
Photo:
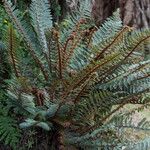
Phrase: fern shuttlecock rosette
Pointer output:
(80, 73)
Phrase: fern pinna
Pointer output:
(82, 76)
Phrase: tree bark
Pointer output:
(135, 12)
(102, 9)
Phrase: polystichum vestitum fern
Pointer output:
(82, 72)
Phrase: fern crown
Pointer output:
(79, 75)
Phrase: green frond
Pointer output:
(93, 107)
(41, 19)
(30, 122)
(142, 145)
(41, 15)
(97, 139)
(22, 104)
(52, 54)
(12, 45)
(106, 31)
(82, 12)
(9, 131)
(134, 40)
(13, 14)
(126, 122)
(130, 80)
(83, 76)
(2, 60)
(1, 45)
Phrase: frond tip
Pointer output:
(41, 20)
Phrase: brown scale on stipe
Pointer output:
(39, 96)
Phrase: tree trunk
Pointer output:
(134, 13)
(102, 9)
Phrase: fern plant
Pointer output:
(3, 63)
(9, 129)
(82, 76)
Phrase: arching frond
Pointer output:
(12, 46)
(40, 10)
(13, 13)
